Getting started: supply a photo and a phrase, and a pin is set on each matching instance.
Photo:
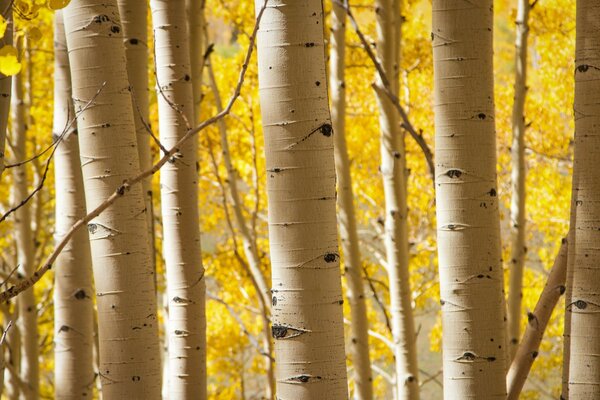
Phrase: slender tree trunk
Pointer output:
(196, 23)
(73, 287)
(179, 199)
(27, 320)
(13, 389)
(307, 295)
(5, 81)
(471, 279)
(393, 169)
(358, 347)
(123, 273)
(517, 205)
(584, 368)
(528, 349)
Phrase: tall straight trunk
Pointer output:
(5, 81)
(196, 22)
(307, 294)
(179, 199)
(134, 17)
(358, 347)
(584, 365)
(471, 279)
(27, 320)
(73, 286)
(393, 170)
(123, 273)
(517, 205)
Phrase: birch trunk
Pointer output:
(5, 81)
(584, 368)
(307, 296)
(179, 199)
(27, 320)
(73, 287)
(393, 169)
(123, 273)
(471, 279)
(517, 205)
(358, 347)
(196, 23)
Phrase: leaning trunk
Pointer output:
(358, 347)
(471, 280)
(307, 296)
(73, 287)
(584, 364)
(123, 273)
(179, 199)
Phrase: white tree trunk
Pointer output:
(358, 346)
(307, 296)
(179, 200)
(196, 22)
(5, 81)
(124, 277)
(471, 277)
(73, 286)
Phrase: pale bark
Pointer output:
(5, 81)
(248, 241)
(134, 17)
(73, 286)
(27, 320)
(13, 360)
(307, 296)
(196, 22)
(584, 365)
(517, 205)
(528, 349)
(358, 347)
(393, 171)
(123, 272)
(471, 277)
(179, 200)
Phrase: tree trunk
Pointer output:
(124, 277)
(196, 23)
(471, 278)
(307, 295)
(393, 169)
(27, 320)
(73, 286)
(358, 347)
(517, 205)
(179, 199)
(5, 81)
(584, 368)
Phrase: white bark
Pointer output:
(5, 81)
(123, 272)
(307, 297)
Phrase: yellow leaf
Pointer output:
(9, 63)
(3, 25)
(57, 4)
(34, 34)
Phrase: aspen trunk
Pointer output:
(73, 287)
(123, 273)
(358, 347)
(14, 360)
(584, 365)
(393, 169)
(471, 279)
(569, 283)
(179, 199)
(307, 296)
(196, 23)
(27, 320)
(5, 81)
(134, 16)
(517, 205)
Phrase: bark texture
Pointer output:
(528, 349)
(307, 296)
(196, 29)
(5, 81)
(393, 171)
(123, 272)
(584, 365)
(517, 205)
(471, 279)
(179, 200)
(73, 286)
(358, 346)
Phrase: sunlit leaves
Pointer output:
(9, 63)
(57, 4)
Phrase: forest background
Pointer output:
(235, 368)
